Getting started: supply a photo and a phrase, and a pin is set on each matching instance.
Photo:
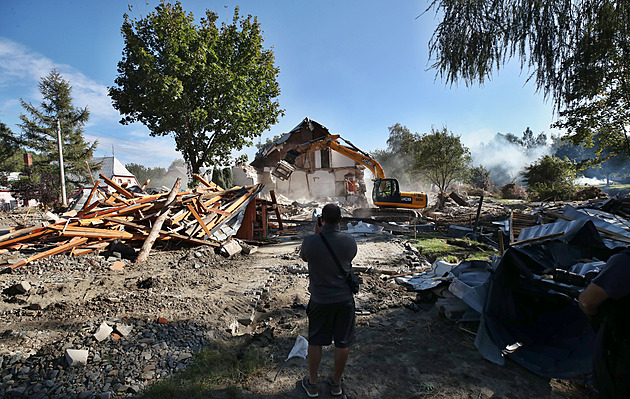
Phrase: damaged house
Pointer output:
(320, 174)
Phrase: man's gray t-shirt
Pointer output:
(327, 284)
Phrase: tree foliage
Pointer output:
(479, 177)
(214, 89)
(39, 125)
(567, 45)
(577, 51)
(144, 173)
(550, 178)
(9, 145)
(441, 157)
(399, 157)
(528, 141)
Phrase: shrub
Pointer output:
(513, 191)
(550, 178)
(479, 177)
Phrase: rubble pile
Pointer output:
(206, 215)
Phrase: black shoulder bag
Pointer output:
(351, 278)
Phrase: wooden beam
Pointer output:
(157, 226)
(116, 187)
(203, 181)
(54, 251)
(196, 215)
(87, 202)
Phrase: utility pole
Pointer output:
(64, 201)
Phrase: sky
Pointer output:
(356, 67)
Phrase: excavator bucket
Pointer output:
(282, 170)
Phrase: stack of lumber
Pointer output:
(190, 216)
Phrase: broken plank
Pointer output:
(87, 202)
(27, 237)
(157, 226)
(198, 218)
(116, 187)
(53, 251)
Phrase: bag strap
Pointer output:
(332, 253)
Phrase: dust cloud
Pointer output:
(506, 160)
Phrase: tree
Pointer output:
(40, 124)
(143, 173)
(550, 178)
(399, 157)
(9, 156)
(9, 143)
(213, 89)
(528, 141)
(479, 177)
(577, 51)
(441, 158)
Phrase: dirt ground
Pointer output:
(404, 349)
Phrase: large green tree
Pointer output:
(442, 158)
(577, 51)
(214, 89)
(399, 157)
(40, 123)
(144, 173)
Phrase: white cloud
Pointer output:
(20, 67)
(142, 149)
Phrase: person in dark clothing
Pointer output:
(606, 300)
(331, 306)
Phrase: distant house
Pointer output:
(111, 168)
(320, 174)
(7, 201)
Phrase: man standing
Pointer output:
(606, 300)
(331, 307)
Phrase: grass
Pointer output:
(221, 367)
(621, 189)
(434, 246)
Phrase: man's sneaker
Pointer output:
(311, 389)
(335, 388)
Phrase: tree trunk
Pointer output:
(157, 226)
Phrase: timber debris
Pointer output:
(207, 215)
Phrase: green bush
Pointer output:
(550, 178)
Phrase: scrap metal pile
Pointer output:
(526, 299)
(207, 215)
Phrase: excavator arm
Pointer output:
(349, 150)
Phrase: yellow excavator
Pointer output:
(386, 192)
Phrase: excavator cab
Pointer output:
(387, 194)
(386, 190)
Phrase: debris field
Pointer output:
(82, 317)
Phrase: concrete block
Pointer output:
(76, 357)
(103, 332)
(123, 329)
(230, 248)
(17, 289)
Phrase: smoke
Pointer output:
(506, 160)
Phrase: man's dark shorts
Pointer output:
(331, 321)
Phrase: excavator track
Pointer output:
(387, 214)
